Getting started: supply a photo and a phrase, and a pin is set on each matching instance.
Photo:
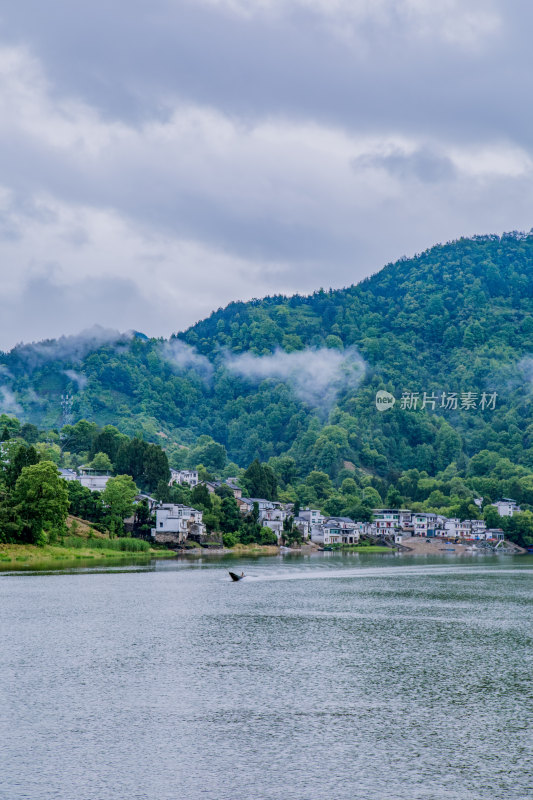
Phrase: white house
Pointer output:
(175, 522)
(336, 530)
(93, 479)
(312, 515)
(181, 476)
(273, 518)
(386, 520)
(457, 529)
(424, 524)
(479, 528)
(302, 526)
(246, 504)
(68, 474)
(506, 507)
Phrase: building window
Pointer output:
(160, 524)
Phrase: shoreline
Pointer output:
(24, 555)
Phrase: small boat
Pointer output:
(235, 577)
(284, 549)
(325, 549)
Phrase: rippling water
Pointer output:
(355, 677)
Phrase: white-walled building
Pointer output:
(424, 524)
(246, 504)
(68, 474)
(273, 518)
(386, 520)
(312, 515)
(457, 529)
(506, 507)
(302, 526)
(335, 530)
(93, 479)
(181, 476)
(176, 522)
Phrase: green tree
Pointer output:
(230, 516)
(320, 483)
(200, 497)
(22, 457)
(118, 497)
(42, 501)
(260, 481)
(101, 462)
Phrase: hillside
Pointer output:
(298, 376)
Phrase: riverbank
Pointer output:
(417, 546)
(15, 555)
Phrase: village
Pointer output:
(176, 523)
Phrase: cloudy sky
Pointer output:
(160, 159)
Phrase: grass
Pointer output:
(85, 546)
(122, 544)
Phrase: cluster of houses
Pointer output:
(177, 522)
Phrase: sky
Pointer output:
(161, 159)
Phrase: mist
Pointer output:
(181, 355)
(76, 377)
(317, 376)
(70, 348)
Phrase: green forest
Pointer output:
(292, 382)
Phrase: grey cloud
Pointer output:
(45, 308)
(317, 376)
(319, 215)
(423, 165)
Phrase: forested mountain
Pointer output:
(297, 376)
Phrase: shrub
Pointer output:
(230, 539)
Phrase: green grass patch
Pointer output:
(122, 544)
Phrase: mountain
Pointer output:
(297, 376)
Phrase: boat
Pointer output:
(284, 549)
(235, 577)
(324, 549)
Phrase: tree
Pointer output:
(107, 441)
(101, 462)
(393, 499)
(230, 516)
(118, 496)
(42, 501)
(320, 483)
(10, 521)
(78, 438)
(84, 503)
(130, 458)
(5, 435)
(371, 497)
(29, 432)
(200, 497)
(23, 457)
(260, 481)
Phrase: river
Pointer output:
(356, 677)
